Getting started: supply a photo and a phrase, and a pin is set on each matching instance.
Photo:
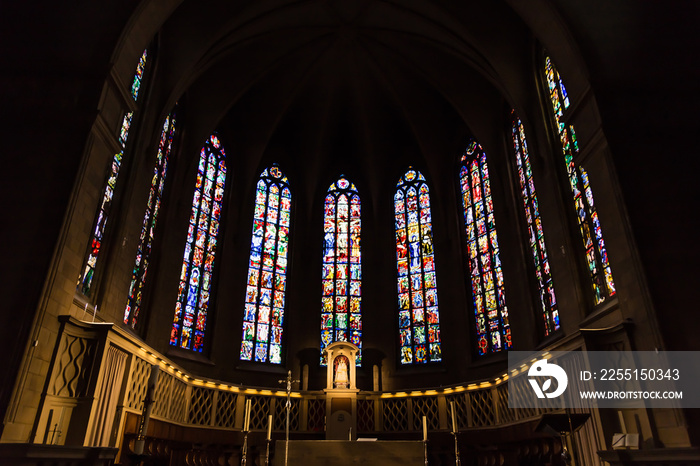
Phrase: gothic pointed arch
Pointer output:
(341, 276)
(483, 253)
(419, 318)
(87, 275)
(265, 300)
(191, 310)
(599, 270)
(549, 310)
(132, 309)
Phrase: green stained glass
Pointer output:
(415, 263)
(189, 323)
(267, 270)
(600, 272)
(150, 218)
(341, 267)
(488, 290)
(545, 286)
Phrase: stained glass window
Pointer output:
(138, 76)
(263, 317)
(545, 287)
(143, 253)
(88, 273)
(419, 319)
(341, 275)
(488, 288)
(86, 278)
(589, 223)
(190, 319)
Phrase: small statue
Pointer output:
(341, 373)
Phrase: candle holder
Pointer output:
(244, 450)
(458, 461)
(267, 453)
(425, 451)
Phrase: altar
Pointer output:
(350, 453)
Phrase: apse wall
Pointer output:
(346, 102)
(325, 93)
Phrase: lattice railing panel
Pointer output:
(259, 410)
(140, 372)
(226, 409)
(201, 406)
(162, 398)
(504, 414)
(317, 415)
(280, 417)
(428, 407)
(395, 414)
(482, 408)
(461, 410)
(520, 391)
(178, 401)
(365, 415)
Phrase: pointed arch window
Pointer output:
(419, 318)
(263, 317)
(138, 76)
(341, 319)
(150, 218)
(545, 286)
(85, 280)
(488, 287)
(189, 323)
(591, 230)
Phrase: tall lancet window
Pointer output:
(143, 253)
(488, 290)
(138, 76)
(263, 317)
(419, 319)
(87, 275)
(341, 274)
(190, 321)
(545, 287)
(589, 223)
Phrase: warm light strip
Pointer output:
(168, 367)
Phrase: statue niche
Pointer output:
(341, 366)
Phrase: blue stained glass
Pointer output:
(267, 270)
(133, 305)
(416, 282)
(603, 285)
(550, 312)
(200, 251)
(341, 298)
(491, 315)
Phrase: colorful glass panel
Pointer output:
(138, 76)
(143, 253)
(589, 223)
(545, 286)
(263, 316)
(341, 275)
(488, 287)
(419, 318)
(189, 323)
(98, 230)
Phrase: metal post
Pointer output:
(244, 452)
(288, 407)
(458, 461)
(425, 451)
